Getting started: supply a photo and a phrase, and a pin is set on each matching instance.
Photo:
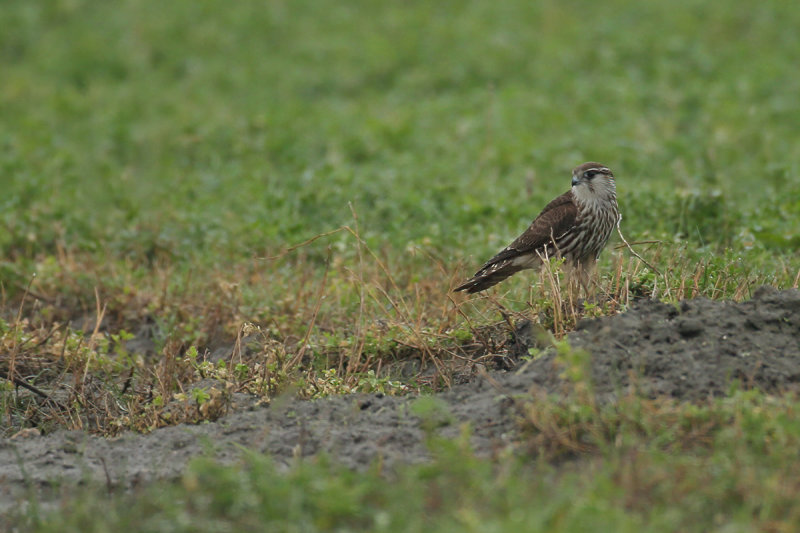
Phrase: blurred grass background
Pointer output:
(207, 132)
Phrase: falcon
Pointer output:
(575, 226)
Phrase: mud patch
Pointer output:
(691, 351)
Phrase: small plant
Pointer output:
(577, 366)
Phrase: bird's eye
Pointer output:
(588, 175)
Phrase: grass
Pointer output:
(160, 163)
(645, 465)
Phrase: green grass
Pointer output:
(218, 134)
(727, 465)
(197, 135)
(154, 157)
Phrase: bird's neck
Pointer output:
(596, 195)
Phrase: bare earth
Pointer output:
(690, 352)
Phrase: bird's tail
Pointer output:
(489, 276)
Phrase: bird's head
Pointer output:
(593, 180)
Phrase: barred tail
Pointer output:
(489, 277)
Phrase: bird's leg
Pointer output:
(574, 283)
(586, 269)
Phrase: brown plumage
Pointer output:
(575, 226)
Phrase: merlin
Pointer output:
(574, 227)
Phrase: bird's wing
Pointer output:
(556, 219)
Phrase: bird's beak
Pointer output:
(574, 180)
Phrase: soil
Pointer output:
(691, 351)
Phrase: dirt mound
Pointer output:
(694, 350)
(690, 351)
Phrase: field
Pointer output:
(211, 214)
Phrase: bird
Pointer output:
(574, 227)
